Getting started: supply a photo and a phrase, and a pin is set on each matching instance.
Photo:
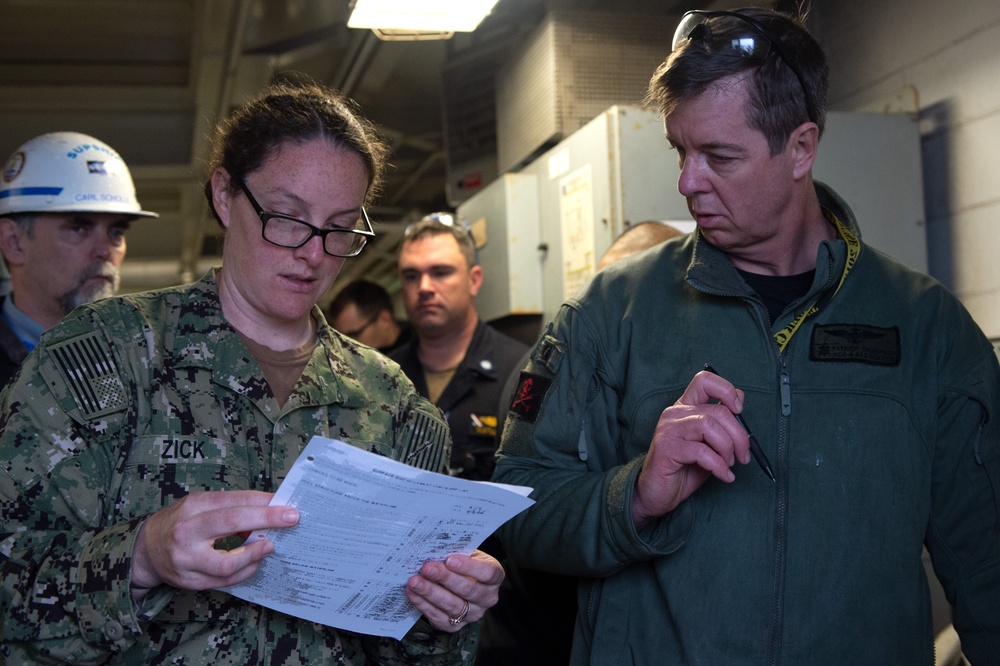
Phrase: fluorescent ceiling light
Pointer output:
(420, 15)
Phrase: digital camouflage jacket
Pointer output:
(129, 405)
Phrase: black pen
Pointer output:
(758, 453)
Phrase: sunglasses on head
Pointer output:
(452, 222)
(754, 41)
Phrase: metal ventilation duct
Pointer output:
(573, 67)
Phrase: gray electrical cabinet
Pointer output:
(613, 171)
(619, 170)
(504, 220)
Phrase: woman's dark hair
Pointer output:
(296, 112)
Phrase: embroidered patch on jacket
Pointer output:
(855, 343)
(91, 374)
(531, 390)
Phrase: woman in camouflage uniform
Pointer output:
(133, 415)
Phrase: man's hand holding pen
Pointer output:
(696, 437)
(755, 449)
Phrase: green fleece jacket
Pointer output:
(879, 415)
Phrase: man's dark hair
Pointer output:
(433, 225)
(369, 298)
(777, 100)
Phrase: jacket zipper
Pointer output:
(590, 613)
(977, 452)
(780, 515)
(593, 388)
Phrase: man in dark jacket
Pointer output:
(66, 201)
(457, 361)
(363, 310)
(873, 395)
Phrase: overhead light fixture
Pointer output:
(419, 16)
(390, 35)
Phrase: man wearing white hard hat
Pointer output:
(66, 201)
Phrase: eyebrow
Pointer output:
(433, 267)
(721, 145)
(296, 200)
(713, 146)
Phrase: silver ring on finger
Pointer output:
(455, 621)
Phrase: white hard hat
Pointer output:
(67, 172)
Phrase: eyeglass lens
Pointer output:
(290, 232)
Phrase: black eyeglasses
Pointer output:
(291, 232)
(694, 27)
(361, 329)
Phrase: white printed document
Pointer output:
(368, 523)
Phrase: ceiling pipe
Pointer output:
(417, 174)
(361, 56)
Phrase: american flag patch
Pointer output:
(425, 443)
(91, 374)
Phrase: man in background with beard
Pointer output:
(66, 201)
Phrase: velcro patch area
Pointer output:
(425, 443)
(855, 343)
